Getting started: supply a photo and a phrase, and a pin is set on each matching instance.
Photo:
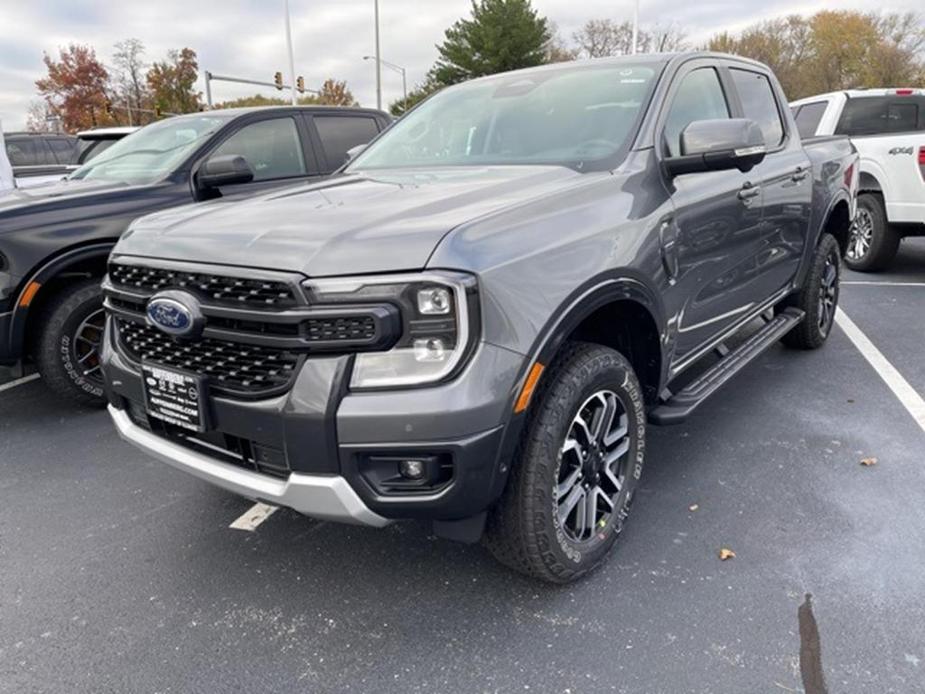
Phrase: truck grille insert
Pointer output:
(231, 367)
(216, 289)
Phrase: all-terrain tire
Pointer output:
(524, 530)
(59, 349)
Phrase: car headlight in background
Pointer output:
(439, 323)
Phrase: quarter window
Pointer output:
(699, 97)
(759, 104)
(271, 147)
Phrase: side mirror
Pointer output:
(718, 145)
(354, 152)
(226, 170)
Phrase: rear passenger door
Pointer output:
(277, 150)
(717, 219)
(338, 133)
(785, 179)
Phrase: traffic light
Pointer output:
(300, 84)
(278, 80)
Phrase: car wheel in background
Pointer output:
(67, 351)
(575, 473)
(872, 243)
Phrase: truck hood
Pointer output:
(358, 223)
(56, 193)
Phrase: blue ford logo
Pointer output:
(175, 313)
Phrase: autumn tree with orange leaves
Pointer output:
(76, 88)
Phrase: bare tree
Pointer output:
(600, 38)
(556, 49)
(129, 82)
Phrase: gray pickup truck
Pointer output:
(474, 321)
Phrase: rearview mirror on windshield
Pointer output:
(717, 145)
(225, 170)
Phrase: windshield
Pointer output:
(574, 116)
(151, 153)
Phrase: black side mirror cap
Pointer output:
(718, 145)
(225, 170)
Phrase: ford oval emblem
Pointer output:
(173, 314)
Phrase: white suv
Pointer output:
(888, 128)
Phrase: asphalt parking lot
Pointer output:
(118, 574)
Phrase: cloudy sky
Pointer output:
(245, 37)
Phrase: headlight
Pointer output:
(439, 323)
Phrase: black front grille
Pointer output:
(217, 289)
(230, 367)
(336, 329)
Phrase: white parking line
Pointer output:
(874, 283)
(19, 382)
(910, 399)
(254, 516)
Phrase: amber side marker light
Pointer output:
(29, 294)
(529, 386)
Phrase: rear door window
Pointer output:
(759, 104)
(63, 149)
(808, 117)
(699, 97)
(876, 115)
(339, 134)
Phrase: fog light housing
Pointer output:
(411, 469)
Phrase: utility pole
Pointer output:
(291, 57)
(378, 62)
(635, 26)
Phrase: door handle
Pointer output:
(748, 192)
(799, 175)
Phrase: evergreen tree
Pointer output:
(501, 35)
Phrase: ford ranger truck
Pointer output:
(474, 321)
(887, 126)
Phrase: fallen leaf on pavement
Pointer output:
(867, 462)
(725, 554)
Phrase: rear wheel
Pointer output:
(872, 243)
(576, 470)
(68, 349)
(818, 298)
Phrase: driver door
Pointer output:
(277, 151)
(716, 231)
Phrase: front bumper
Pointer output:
(325, 437)
(326, 497)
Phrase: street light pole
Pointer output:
(635, 26)
(291, 57)
(378, 62)
(392, 66)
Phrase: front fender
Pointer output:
(32, 286)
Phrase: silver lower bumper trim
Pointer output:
(326, 497)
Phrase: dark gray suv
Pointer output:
(473, 322)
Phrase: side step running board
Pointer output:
(676, 409)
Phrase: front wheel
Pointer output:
(67, 351)
(818, 298)
(576, 470)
